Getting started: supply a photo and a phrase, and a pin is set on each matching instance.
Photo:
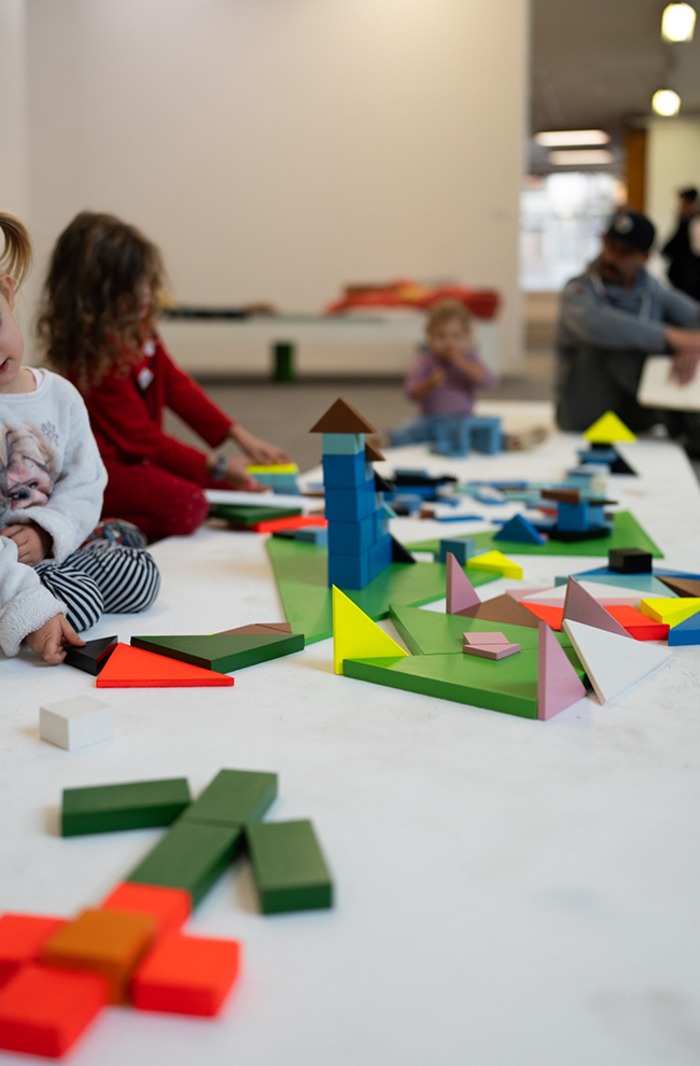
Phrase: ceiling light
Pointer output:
(678, 22)
(565, 138)
(666, 102)
(586, 158)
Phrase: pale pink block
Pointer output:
(579, 606)
(493, 651)
(481, 640)
(461, 594)
(558, 685)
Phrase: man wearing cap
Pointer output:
(684, 263)
(611, 317)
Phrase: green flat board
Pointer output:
(301, 573)
(223, 652)
(191, 856)
(250, 514)
(289, 868)
(508, 685)
(627, 533)
(234, 797)
(135, 805)
(435, 633)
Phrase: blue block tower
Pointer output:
(359, 542)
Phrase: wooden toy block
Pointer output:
(558, 684)
(635, 623)
(579, 606)
(682, 586)
(686, 632)
(571, 496)
(233, 651)
(608, 429)
(345, 471)
(381, 485)
(642, 582)
(133, 805)
(670, 611)
(234, 798)
(92, 657)
(22, 937)
(486, 640)
(612, 667)
(350, 505)
(191, 856)
(187, 975)
(349, 571)
(76, 722)
(380, 555)
(629, 561)
(372, 454)
(258, 629)
(342, 417)
(343, 443)
(399, 554)
(495, 562)
(352, 538)
(355, 635)
(43, 1011)
(462, 548)
(289, 868)
(294, 522)
(131, 667)
(317, 535)
(274, 468)
(502, 609)
(461, 595)
(106, 942)
(518, 528)
(493, 651)
(169, 907)
(249, 516)
(553, 616)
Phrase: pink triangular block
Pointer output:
(579, 606)
(460, 591)
(485, 640)
(558, 685)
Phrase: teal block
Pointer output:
(134, 805)
(350, 505)
(351, 538)
(191, 856)
(345, 471)
(686, 632)
(343, 443)
(234, 797)
(289, 868)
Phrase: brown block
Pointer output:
(502, 609)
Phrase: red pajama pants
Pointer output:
(160, 503)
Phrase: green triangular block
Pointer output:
(223, 652)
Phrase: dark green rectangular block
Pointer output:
(191, 856)
(249, 514)
(223, 652)
(134, 805)
(289, 867)
(234, 798)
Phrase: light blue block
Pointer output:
(343, 443)
(352, 538)
(349, 571)
(380, 556)
(350, 505)
(317, 535)
(462, 549)
(346, 471)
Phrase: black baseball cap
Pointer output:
(632, 228)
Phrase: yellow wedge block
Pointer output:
(288, 468)
(356, 636)
(608, 429)
(496, 563)
(671, 612)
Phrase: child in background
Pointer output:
(98, 326)
(445, 375)
(57, 572)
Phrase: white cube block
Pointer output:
(76, 722)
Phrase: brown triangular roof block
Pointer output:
(372, 454)
(684, 586)
(342, 417)
(502, 609)
(562, 495)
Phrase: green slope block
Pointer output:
(627, 533)
(191, 855)
(223, 652)
(289, 867)
(242, 514)
(301, 575)
(134, 805)
(234, 797)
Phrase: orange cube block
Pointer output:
(43, 1011)
(170, 907)
(186, 975)
(107, 942)
(22, 936)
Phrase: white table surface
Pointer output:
(509, 892)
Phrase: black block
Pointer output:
(629, 561)
(93, 656)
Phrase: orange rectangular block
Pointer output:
(129, 667)
(169, 907)
(638, 625)
(43, 1010)
(107, 942)
(186, 975)
(271, 525)
(22, 936)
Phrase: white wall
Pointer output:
(673, 162)
(278, 148)
(13, 108)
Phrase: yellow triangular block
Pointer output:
(496, 563)
(672, 611)
(608, 429)
(356, 636)
(286, 468)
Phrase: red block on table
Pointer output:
(186, 975)
(638, 625)
(301, 521)
(170, 907)
(129, 667)
(22, 936)
(44, 1010)
(546, 613)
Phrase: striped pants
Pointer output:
(101, 577)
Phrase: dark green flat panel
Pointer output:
(289, 867)
(134, 805)
(301, 573)
(234, 797)
(223, 652)
(627, 533)
(249, 514)
(191, 855)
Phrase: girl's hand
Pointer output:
(237, 477)
(33, 543)
(258, 450)
(684, 366)
(49, 641)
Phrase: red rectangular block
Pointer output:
(170, 907)
(44, 1010)
(638, 625)
(22, 936)
(186, 975)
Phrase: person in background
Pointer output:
(444, 377)
(684, 263)
(610, 318)
(58, 571)
(98, 329)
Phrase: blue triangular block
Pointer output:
(686, 632)
(521, 530)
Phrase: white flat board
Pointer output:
(656, 389)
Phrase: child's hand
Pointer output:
(33, 543)
(237, 477)
(436, 378)
(258, 450)
(49, 641)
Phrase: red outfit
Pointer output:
(155, 481)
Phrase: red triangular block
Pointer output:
(579, 606)
(558, 685)
(130, 667)
(461, 594)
